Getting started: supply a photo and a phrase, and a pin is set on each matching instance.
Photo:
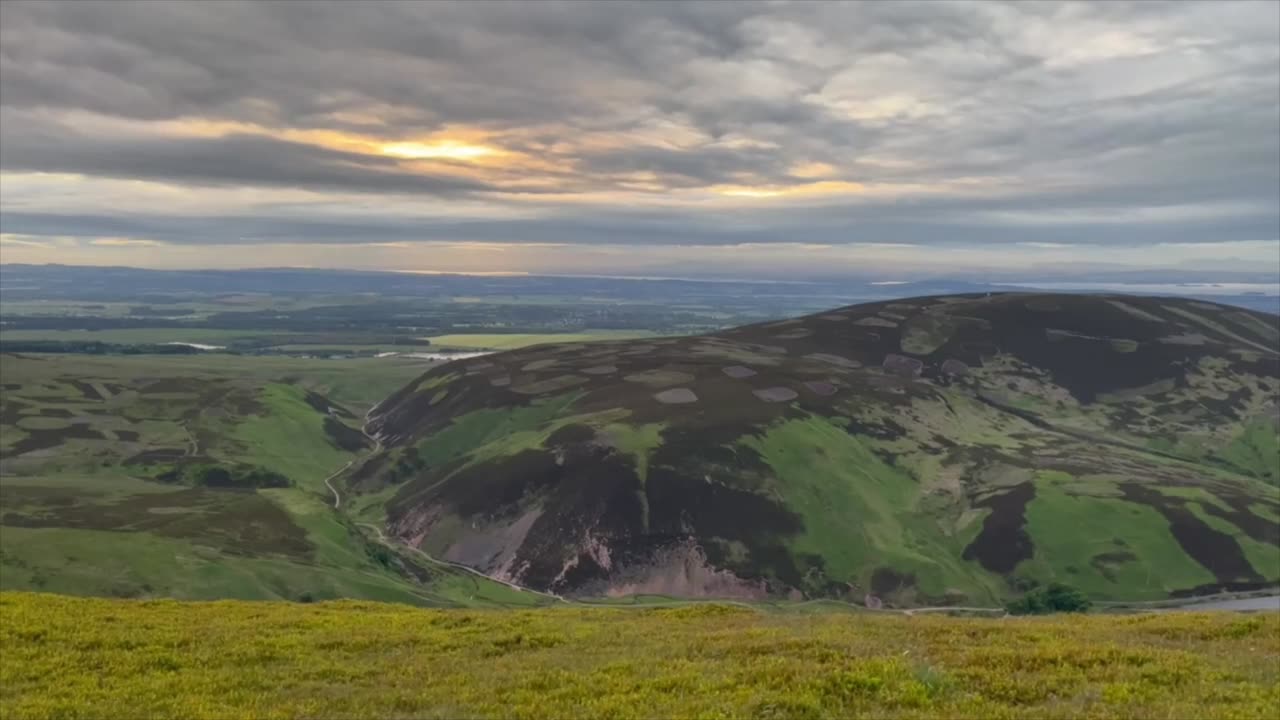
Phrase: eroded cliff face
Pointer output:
(924, 450)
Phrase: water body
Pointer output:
(1265, 289)
(199, 346)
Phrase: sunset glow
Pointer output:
(437, 151)
(1104, 130)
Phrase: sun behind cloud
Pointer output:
(444, 150)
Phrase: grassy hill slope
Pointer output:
(955, 449)
(199, 477)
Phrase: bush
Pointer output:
(237, 477)
(380, 554)
(1052, 599)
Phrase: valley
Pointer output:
(924, 452)
(436, 360)
(198, 477)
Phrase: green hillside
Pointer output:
(943, 450)
(200, 477)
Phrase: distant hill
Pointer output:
(938, 450)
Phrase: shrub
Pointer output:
(235, 476)
(1052, 599)
(380, 554)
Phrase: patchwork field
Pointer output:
(81, 658)
(199, 477)
(519, 340)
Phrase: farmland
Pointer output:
(66, 310)
(79, 658)
(516, 340)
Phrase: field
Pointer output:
(288, 313)
(513, 341)
(82, 658)
(204, 336)
(199, 477)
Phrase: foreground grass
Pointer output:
(71, 658)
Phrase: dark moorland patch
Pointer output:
(44, 439)
(1003, 541)
(343, 436)
(238, 521)
(1217, 551)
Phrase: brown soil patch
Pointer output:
(559, 382)
(903, 366)
(659, 377)
(875, 322)
(836, 360)
(676, 396)
(539, 364)
(820, 387)
(954, 367)
(776, 394)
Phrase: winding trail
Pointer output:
(364, 430)
(194, 449)
(337, 499)
(395, 545)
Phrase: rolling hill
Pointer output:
(941, 450)
(200, 477)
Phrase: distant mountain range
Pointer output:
(1257, 291)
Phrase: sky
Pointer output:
(767, 139)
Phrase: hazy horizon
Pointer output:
(748, 140)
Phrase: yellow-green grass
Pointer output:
(513, 341)
(89, 658)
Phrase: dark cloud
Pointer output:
(1110, 122)
(227, 160)
(1041, 219)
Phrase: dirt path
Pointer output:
(377, 444)
(1264, 599)
(337, 499)
(191, 438)
(396, 545)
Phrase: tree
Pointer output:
(1052, 599)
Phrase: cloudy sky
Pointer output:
(647, 138)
